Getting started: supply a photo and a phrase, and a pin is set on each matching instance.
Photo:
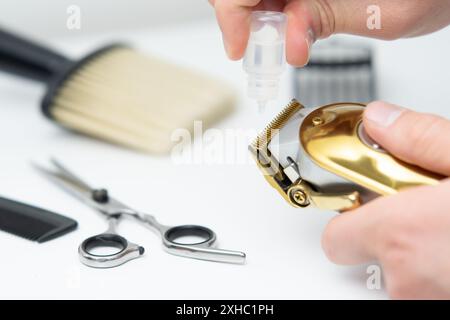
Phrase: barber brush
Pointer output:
(118, 94)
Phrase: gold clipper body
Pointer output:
(323, 157)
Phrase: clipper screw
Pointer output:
(299, 197)
(317, 121)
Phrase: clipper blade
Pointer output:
(277, 123)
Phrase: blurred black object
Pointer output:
(338, 71)
(33, 223)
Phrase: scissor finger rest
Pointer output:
(190, 235)
(176, 241)
(126, 251)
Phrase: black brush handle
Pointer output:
(30, 60)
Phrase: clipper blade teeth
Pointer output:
(277, 123)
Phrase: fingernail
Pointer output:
(382, 114)
(227, 49)
(310, 39)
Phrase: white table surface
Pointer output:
(285, 259)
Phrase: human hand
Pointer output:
(309, 20)
(408, 233)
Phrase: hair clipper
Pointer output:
(324, 158)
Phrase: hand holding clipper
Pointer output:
(407, 234)
(324, 157)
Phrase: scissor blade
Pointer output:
(70, 175)
(71, 183)
(68, 182)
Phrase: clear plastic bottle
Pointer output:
(265, 58)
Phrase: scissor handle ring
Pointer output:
(104, 240)
(203, 250)
(174, 233)
(127, 251)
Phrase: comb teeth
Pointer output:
(277, 123)
(32, 223)
(25, 226)
(33, 233)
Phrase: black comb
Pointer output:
(33, 223)
(338, 71)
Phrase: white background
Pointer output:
(48, 17)
(283, 244)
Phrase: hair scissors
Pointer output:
(114, 211)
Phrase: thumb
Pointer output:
(416, 138)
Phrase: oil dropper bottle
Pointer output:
(265, 58)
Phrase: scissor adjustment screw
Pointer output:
(299, 197)
(317, 121)
(100, 195)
